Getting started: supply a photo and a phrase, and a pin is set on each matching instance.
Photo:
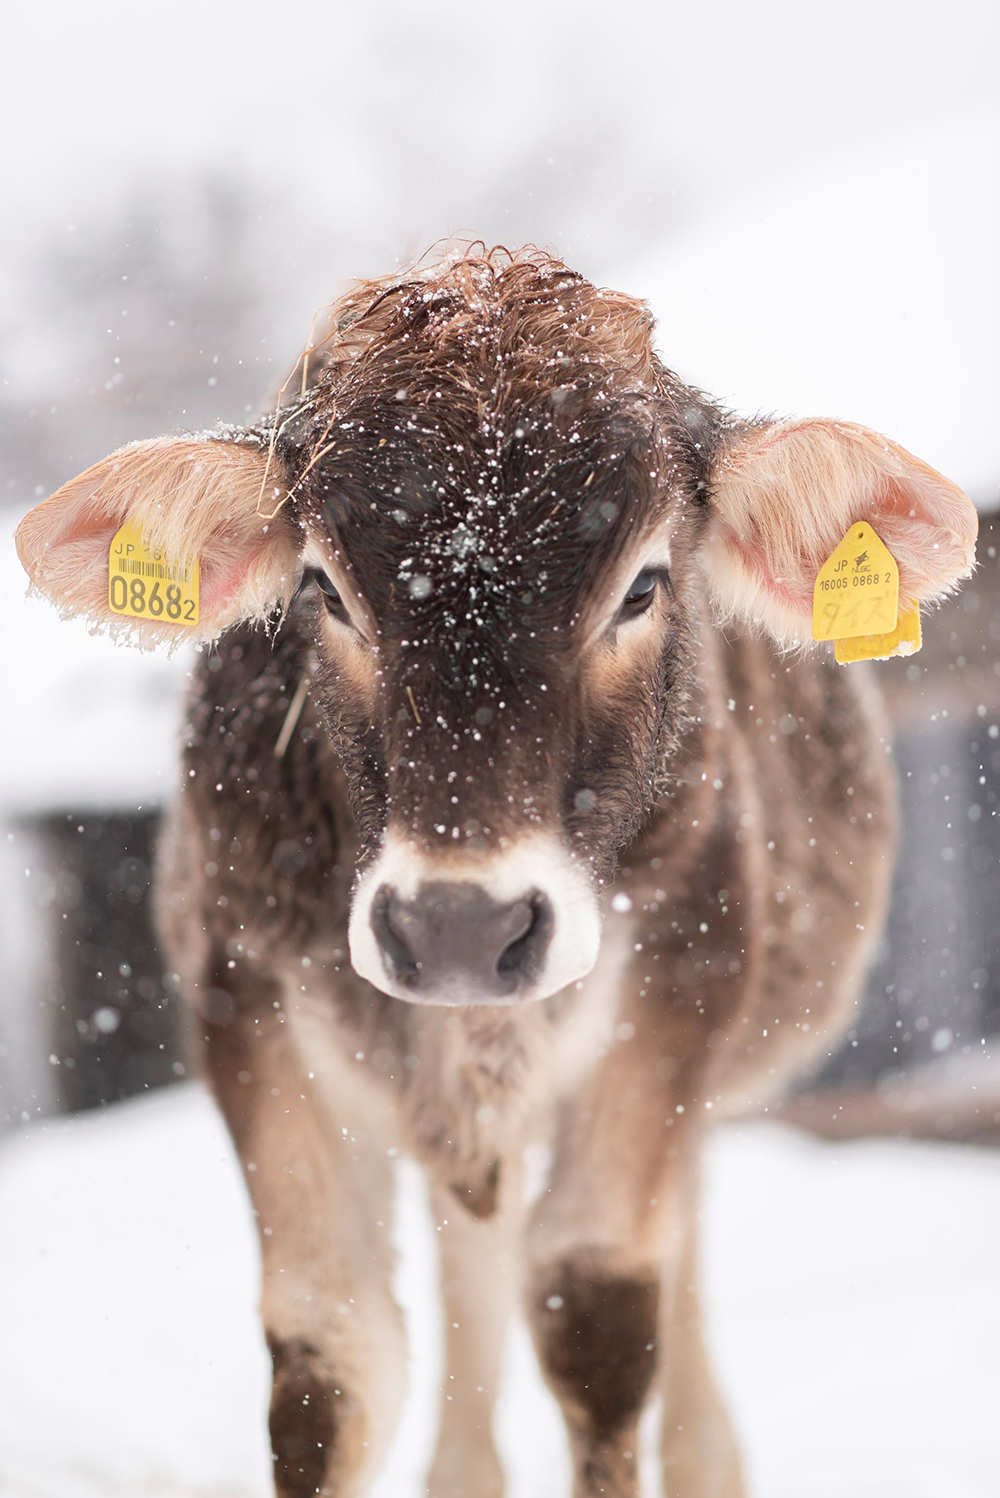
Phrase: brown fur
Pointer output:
(303, 1420)
(481, 455)
(600, 1339)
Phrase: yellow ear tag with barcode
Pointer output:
(856, 601)
(142, 583)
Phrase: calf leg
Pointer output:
(700, 1457)
(322, 1197)
(594, 1322)
(595, 1253)
(605, 1249)
(478, 1282)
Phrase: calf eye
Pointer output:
(639, 596)
(331, 598)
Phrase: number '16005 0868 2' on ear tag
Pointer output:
(856, 601)
(142, 583)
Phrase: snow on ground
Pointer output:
(852, 1290)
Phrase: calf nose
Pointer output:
(453, 943)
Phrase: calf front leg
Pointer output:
(594, 1321)
(478, 1283)
(321, 1190)
(699, 1452)
(608, 1249)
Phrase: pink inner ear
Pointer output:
(65, 553)
(220, 583)
(929, 526)
(73, 528)
(751, 558)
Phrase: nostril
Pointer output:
(452, 938)
(390, 938)
(533, 919)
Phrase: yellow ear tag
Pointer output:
(857, 590)
(856, 601)
(143, 584)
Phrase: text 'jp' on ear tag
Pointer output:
(856, 601)
(145, 585)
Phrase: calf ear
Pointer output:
(783, 496)
(191, 498)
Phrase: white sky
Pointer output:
(630, 136)
(325, 99)
(867, 292)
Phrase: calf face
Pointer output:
(506, 518)
(507, 488)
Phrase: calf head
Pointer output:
(506, 523)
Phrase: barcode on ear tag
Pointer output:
(144, 584)
(857, 589)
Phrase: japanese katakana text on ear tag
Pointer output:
(905, 639)
(145, 585)
(857, 590)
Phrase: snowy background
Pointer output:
(810, 197)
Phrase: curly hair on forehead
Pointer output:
(471, 307)
(488, 375)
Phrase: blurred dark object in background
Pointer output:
(920, 1058)
(935, 985)
(114, 1027)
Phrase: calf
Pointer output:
(504, 818)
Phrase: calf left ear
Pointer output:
(190, 498)
(783, 496)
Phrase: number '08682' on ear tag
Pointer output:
(144, 584)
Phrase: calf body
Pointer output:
(496, 835)
(754, 889)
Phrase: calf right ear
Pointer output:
(190, 498)
(784, 495)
